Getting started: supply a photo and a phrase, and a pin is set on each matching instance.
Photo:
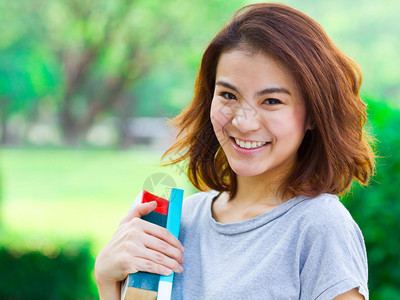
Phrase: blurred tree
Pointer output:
(100, 47)
(369, 32)
(97, 50)
(1, 199)
(17, 92)
(108, 47)
(376, 209)
(3, 120)
(89, 59)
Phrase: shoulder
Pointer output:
(198, 199)
(325, 205)
(197, 202)
(323, 211)
(324, 223)
(196, 213)
(325, 218)
(332, 251)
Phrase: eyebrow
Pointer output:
(270, 90)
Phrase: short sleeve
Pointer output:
(333, 258)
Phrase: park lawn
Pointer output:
(63, 194)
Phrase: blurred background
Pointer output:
(85, 89)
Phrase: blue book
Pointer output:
(143, 285)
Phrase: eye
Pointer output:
(228, 96)
(272, 101)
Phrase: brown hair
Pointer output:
(332, 154)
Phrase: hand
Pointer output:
(136, 246)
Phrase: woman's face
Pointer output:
(258, 113)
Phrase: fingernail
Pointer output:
(167, 271)
(182, 249)
(180, 269)
(182, 261)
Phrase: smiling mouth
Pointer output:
(248, 144)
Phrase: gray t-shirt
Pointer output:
(306, 248)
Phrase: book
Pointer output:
(143, 285)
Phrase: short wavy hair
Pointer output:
(332, 154)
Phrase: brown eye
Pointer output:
(228, 96)
(272, 101)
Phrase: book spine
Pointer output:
(173, 225)
(144, 285)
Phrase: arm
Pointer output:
(350, 295)
(136, 246)
(110, 291)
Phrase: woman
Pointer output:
(274, 132)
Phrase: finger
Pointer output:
(163, 248)
(158, 258)
(145, 265)
(139, 210)
(163, 234)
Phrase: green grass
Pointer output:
(74, 194)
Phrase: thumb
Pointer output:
(139, 210)
(143, 209)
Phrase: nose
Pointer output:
(246, 122)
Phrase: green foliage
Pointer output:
(82, 61)
(368, 31)
(154, 49)
(81, 194)
(52, 272)
(377, 208)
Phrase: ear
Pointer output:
(310, 124)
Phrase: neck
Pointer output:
(255, 195)
(261, 189)
(252, 190)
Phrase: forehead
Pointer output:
(255, 68)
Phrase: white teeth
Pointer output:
(249, 145)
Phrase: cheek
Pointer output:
(291, 122)
(300, 119)
(219, 115)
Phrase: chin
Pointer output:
(247, 174)
(245, 171)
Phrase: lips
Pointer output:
(249, 151)
(246, 144)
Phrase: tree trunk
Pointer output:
(4, 116)
(125, 114)
(69, 130)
